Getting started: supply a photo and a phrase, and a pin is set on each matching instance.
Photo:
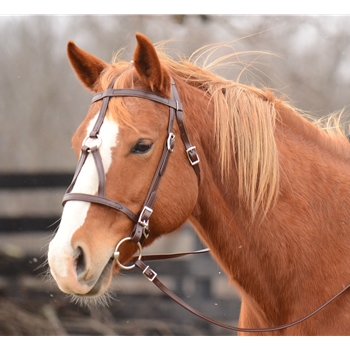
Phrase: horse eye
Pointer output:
(142, 146)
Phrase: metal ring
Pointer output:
(117, 253)
(96, 140)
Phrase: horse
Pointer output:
(166, 142)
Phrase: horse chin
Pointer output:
(99, 295)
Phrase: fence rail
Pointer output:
(34, 180)
(31, 181)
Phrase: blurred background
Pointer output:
(305, 58)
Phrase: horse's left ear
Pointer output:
(149, 68)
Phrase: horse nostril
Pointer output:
(80, 262)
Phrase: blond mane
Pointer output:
(244, 128)
(244, 117)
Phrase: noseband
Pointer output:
(93, 141)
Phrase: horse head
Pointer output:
(131, 138)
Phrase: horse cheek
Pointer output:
(176, 201)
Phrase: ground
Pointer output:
(32, 305)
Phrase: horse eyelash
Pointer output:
(142, 142)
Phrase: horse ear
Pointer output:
(87, 67)
(149, 68)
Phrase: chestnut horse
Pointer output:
(271, 201)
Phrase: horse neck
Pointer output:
(268, 260)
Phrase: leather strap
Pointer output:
(82, 197)
(174, 104)
(137, 93)
(152, 276)
(82, 159)
(190, 150)
(154, 257)
(140, 231)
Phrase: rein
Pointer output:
(151, 275)
(140, 231)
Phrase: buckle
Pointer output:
(149, 274)
(170, 142)
(144, 216)
(192, 161)
(145, 232)
(178, 106)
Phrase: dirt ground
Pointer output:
(31, 305)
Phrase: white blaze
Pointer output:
(75, 212)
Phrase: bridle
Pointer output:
(92, 143)
(140, 230)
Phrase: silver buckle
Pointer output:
(153, 274)
(145, 223)
(170, 142)
(145, 231)
(193, 162)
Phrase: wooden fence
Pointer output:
(196, 279)
(32, 181)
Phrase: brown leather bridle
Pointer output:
(140, 230)
(91, 145)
